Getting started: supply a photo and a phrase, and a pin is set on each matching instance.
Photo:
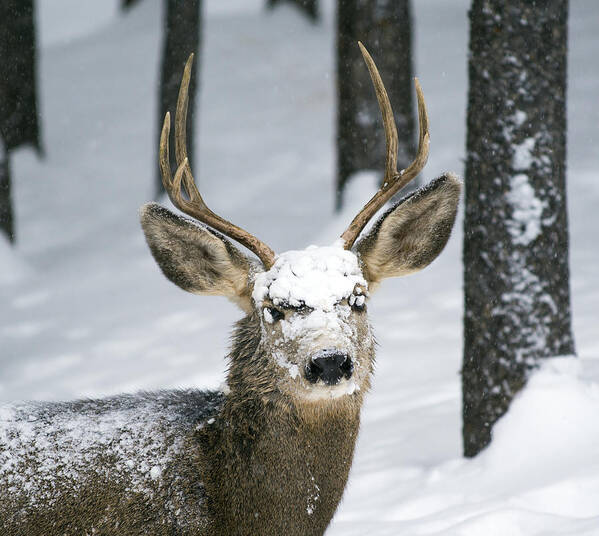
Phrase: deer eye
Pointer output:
(357, 303)
(272, 314)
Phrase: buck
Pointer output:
(270, 455)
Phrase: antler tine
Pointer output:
(163, 154)
(393, 180)
(386, 113)
(195, 205)
(181, 128)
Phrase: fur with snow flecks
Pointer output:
(120, 463)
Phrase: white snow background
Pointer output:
(86, 312)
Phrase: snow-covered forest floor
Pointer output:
(86, 312)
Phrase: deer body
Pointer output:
(116, 466)
(272, 454)
(145, 464)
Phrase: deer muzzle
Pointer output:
(330, 366)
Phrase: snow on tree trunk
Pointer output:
(516, 276)
(308, 7)
(182, 29)
(385, 28)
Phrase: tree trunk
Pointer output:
(385, 28)
(308, 7)
(6, 217)
(516, 276)
(182, 29)
(18, 82)
(18, 95)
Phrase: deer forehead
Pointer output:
(316, 277)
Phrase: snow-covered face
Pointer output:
(312, 306)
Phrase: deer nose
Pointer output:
(329, 366)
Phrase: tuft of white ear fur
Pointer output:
(412, 233)
(194, 257)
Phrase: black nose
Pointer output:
(329, 366)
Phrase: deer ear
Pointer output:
(195, 258)
(410, 235)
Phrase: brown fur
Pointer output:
(276, 466)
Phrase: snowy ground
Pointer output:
(85, 312)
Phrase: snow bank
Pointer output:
(542, 468)
(551, 428)
(539, 476)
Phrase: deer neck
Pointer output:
(286, 464)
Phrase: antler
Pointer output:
(194, 206)
(393, 180)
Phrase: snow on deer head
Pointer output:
(307, 308)
(312, 305)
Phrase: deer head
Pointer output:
(308, 307)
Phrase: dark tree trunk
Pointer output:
(516, 277)
(18, 81)
(6, 217)
(308, 7)
(385, 28)
(182, 29)
(18, 95)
